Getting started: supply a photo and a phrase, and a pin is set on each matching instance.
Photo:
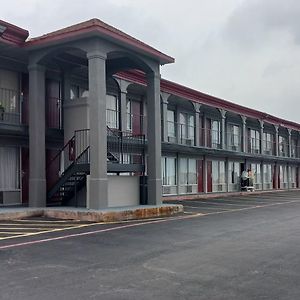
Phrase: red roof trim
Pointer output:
(96, 25)
(13, 34)
(199, 97)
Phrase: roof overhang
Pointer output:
(97, 28)
(11, 34)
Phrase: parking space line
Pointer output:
(87, 233)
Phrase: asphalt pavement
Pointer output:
(244, 247)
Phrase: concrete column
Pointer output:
(261, 123)
(290, 141)
(205, 133)
(289, 176)
(154, 139)
(123, 85)
(223, 127)
(276, 140)
(37, 147)
(276, 169)
(98, 131)
(197, 124)
(205, 174)
(244, 134)
(178, 126)
(262, 175)
(165, 97)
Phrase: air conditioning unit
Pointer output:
(189, 189)
(10, 197)
(166, 190)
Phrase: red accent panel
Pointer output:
(209, 176)
(52, 103)
(53, 169)
(25, 103)
(208, 132)
(25, 174)
(200, 176)
(136, 119)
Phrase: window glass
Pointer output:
(112, 113)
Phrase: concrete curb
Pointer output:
(105, 215)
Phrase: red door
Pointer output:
(209, 176)
(200, 175)
(53, 104)
(25, 102)
(25, 175)
(136, 117)
(52, 174)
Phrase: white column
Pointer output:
(244, 134)
(165, 97)
(154, 139)
(197, 123)
(37, 146)
(98, 131)
(223, 125)
(276, 140)
(290, 141)
(261, 123)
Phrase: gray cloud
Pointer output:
(240, 50)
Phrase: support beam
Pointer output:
(197, 107)
(154, 139)
(276, 140)
(98, 131)
(37, 147)
(290, 141)
(123, 85)
(261, 144)
(244, 134)
(165, 97)
(223, 127)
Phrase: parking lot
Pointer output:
(232, 203)
(243, 247)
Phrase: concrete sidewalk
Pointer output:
(105, 215)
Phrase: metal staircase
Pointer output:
(125, 153)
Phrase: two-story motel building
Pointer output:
(86, 120)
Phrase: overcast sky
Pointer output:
(245, 51)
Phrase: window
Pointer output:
(254, 140)
(215, 134)
(293, 183)
(283, 146)
(112, 111)
(234, 137)
(256, 171)
(293, 147)
(283, 176)
(268, 142)
(187, 175)
(169, 171)
(171, 125)
(234, 173)
(9, 97)
(129, 114)
(218, 176)
(187, 129)
(268, 176)
(10, 168)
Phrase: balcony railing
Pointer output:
(186, 134)
(268, 147)
(283, 149)
(9, 106)
(254, 146)
(233, 142)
